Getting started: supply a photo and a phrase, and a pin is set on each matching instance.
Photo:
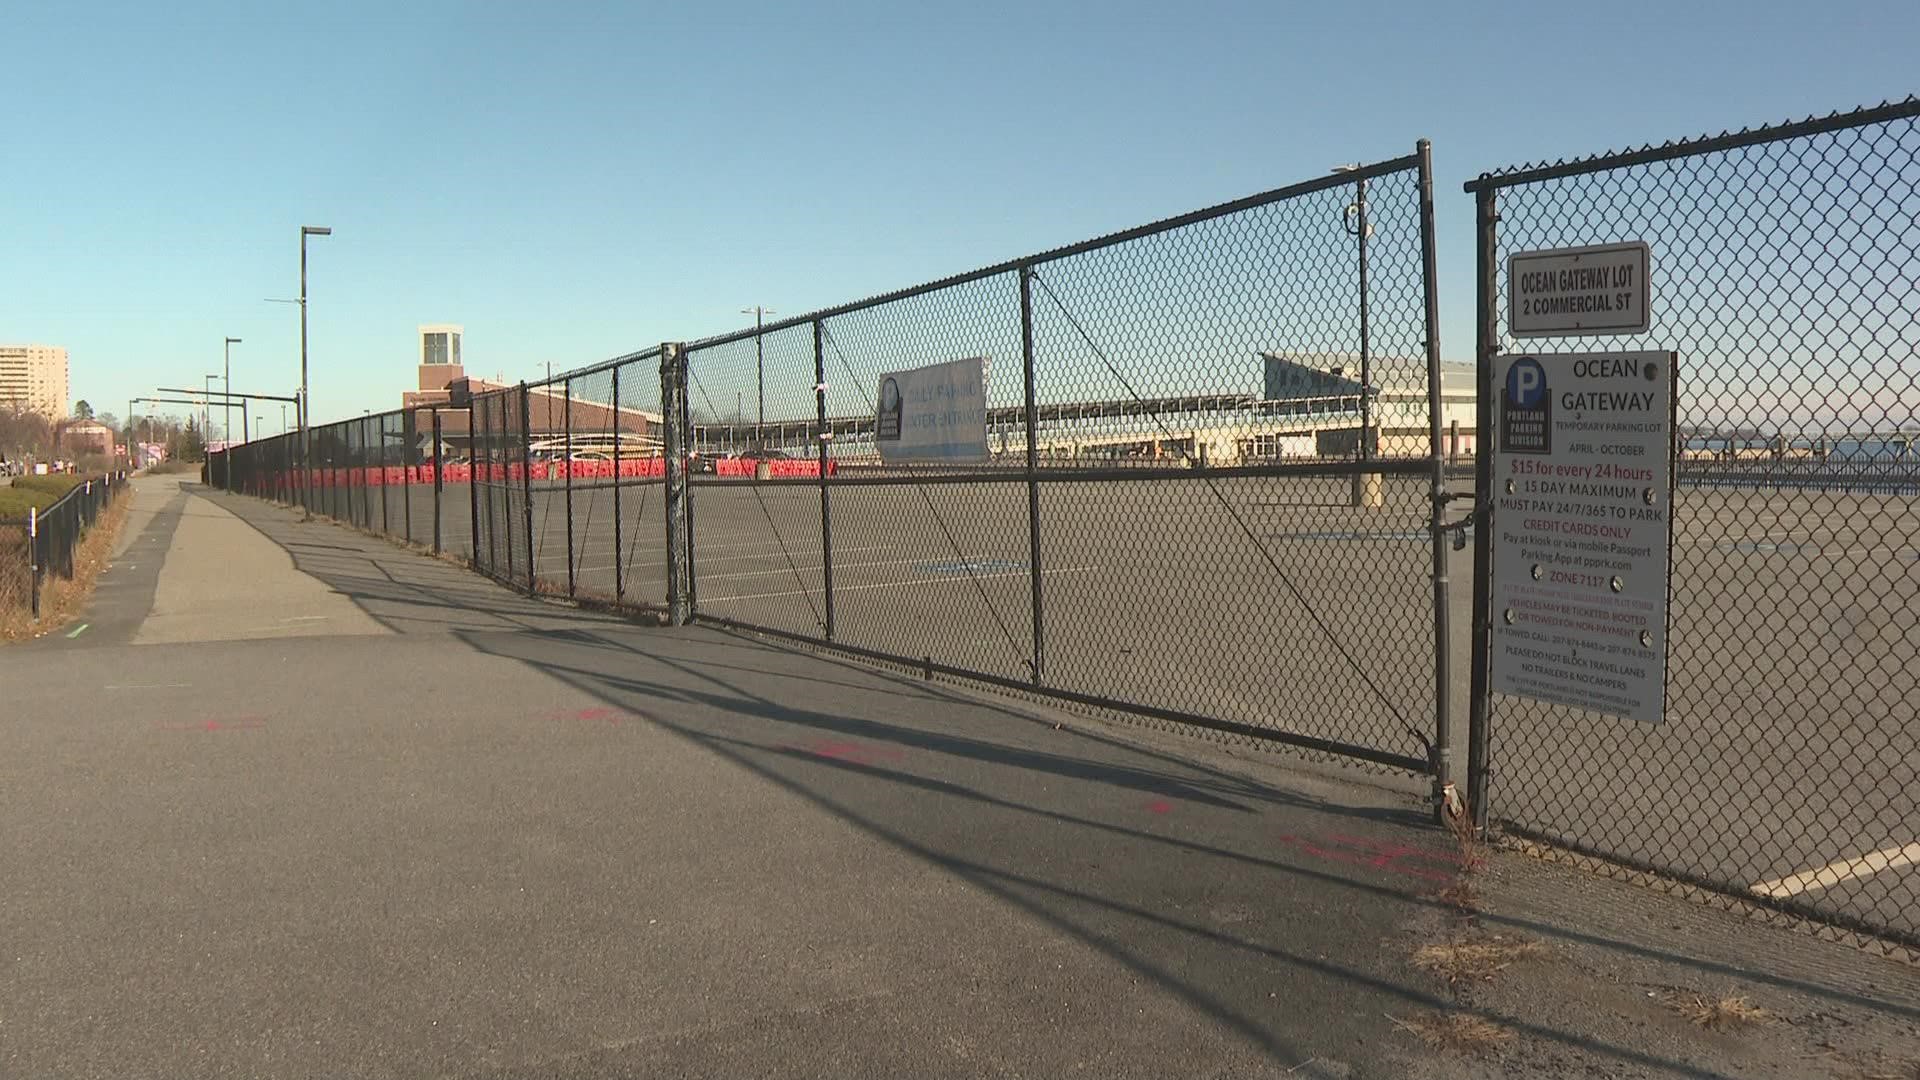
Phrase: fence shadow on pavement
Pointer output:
(1205, 905)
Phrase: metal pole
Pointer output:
(1033, 481)
(473, 490)
(760, 371)
(1366, 340)
(306, 435)
(226, 401)
(409, 433)
(619, 567)
(824, 441)
(566, 418)
(526, 478)
(33, 558)
(1487, 347)
(1442, 763)
(386, 522)
(439, 480)
(672, 374)
(684, 410)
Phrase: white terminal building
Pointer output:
(1307, 406)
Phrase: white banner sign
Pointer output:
(1584, 291)
(933, 413)
(1583, 481)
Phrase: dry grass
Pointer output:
(1474, 959)
(1723, 1013)
(1457, 815)
(62, 599)
(1461, 1033)
(1460, 895)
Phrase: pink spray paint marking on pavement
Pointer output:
(848, 750)
(1386, 855)
(598, 714)
(1159, 806)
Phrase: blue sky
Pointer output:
(576, 181)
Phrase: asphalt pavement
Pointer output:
(454, 831)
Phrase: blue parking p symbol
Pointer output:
(1526, 383)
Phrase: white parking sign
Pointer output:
(1582, 528)
(1585, 291)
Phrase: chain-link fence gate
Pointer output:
(1215, 447)
(1787, 768)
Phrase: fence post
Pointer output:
(1487, 346)
(824, 441)
(526, 478)
(1033, 481)
(673, 377)
(473, 488)
(1442, 763)
(386, 523)
(409, 433)
(619, 568)
(566, 419)
(33, 561)
(439, 481)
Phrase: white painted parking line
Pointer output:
(1836, 872)
(702, 576)
(706, 560)
(915, 583)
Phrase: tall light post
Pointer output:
(226, 384)
(306, 407)
(759, 363)
(206, 409)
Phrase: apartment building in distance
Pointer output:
(35, 377)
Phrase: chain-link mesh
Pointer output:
(16, 568)
(1787, 767)
(757, 543)
(1232, 342)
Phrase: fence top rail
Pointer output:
(1516, 175)
(1292, 191)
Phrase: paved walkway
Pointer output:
(301, 803)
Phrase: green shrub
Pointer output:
(36, 492)
(57, 483)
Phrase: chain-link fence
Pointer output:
(1786, 770)
(42, 546)
(403, 474)
(1207, 494)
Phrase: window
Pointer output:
(433, 348)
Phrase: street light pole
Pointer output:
(206, 409)
(760, 365)
(306, 434)
(226, 383)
